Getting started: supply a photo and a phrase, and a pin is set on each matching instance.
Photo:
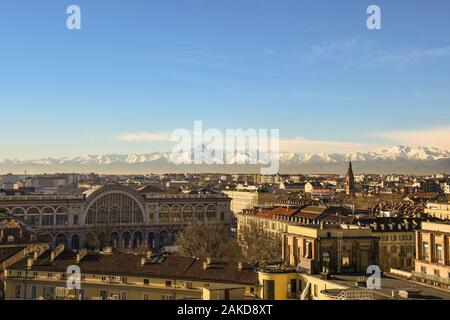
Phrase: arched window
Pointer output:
(32, 217)
(164, 238)
(114, 208)
(176, 214)
(188, 212)
(48, 217)
(62, 216)
(199, 213)
(18, 212)
(115, 216)
(102, 216)
(75, 243)
(164, 214)
(211, 211)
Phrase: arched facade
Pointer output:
(116, 216)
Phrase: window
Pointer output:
(61, 219)
(423, 269)
(145, 296)
(438, 253)
(164, 215)
(17, 292)
(47, 220)
(425, 250)
(123, 295)
(146, 282)
(33, 292)
(104, 294)
(49, 275)
(124, 280)
(268, 289)
(437, 272)
(168, 283)
(75, 219)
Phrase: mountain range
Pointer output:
(398, 159)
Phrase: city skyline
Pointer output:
(134, 74)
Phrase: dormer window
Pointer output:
(10, 238)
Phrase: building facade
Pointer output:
(116, 216)
(439, 210)
(432, 264)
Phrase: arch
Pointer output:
(174, 236)
(188, 213)
(126, 240)
(48, 216)
(75, 242)
(176, 214)
(199, 213)
(114, 240)
(164, 238)
(32, 216)
(61, 239)
(211, 212)
(138, 239)
(112, 196)
(62, 210)
(48, 210)
(18, 212)
(114, 208)
(164, 213)
(90, 241)
(33, 210)
(102, 240)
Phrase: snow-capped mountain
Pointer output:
(400, 158)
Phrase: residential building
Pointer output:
(439, 210)
(432, 264)
(125, 276)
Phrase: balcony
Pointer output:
(435, 278)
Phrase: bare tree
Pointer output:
(211, 240)
(258, 245)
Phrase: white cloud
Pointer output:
(436, 137)
(144, 136)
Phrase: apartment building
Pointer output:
(329, 248)
(432, 264)
(124, 276)
(241, 200)
(439, 210)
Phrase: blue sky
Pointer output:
(310, 68)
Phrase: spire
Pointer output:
(349, 180)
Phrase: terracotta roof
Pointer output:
(127, 264)
(150, 189)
